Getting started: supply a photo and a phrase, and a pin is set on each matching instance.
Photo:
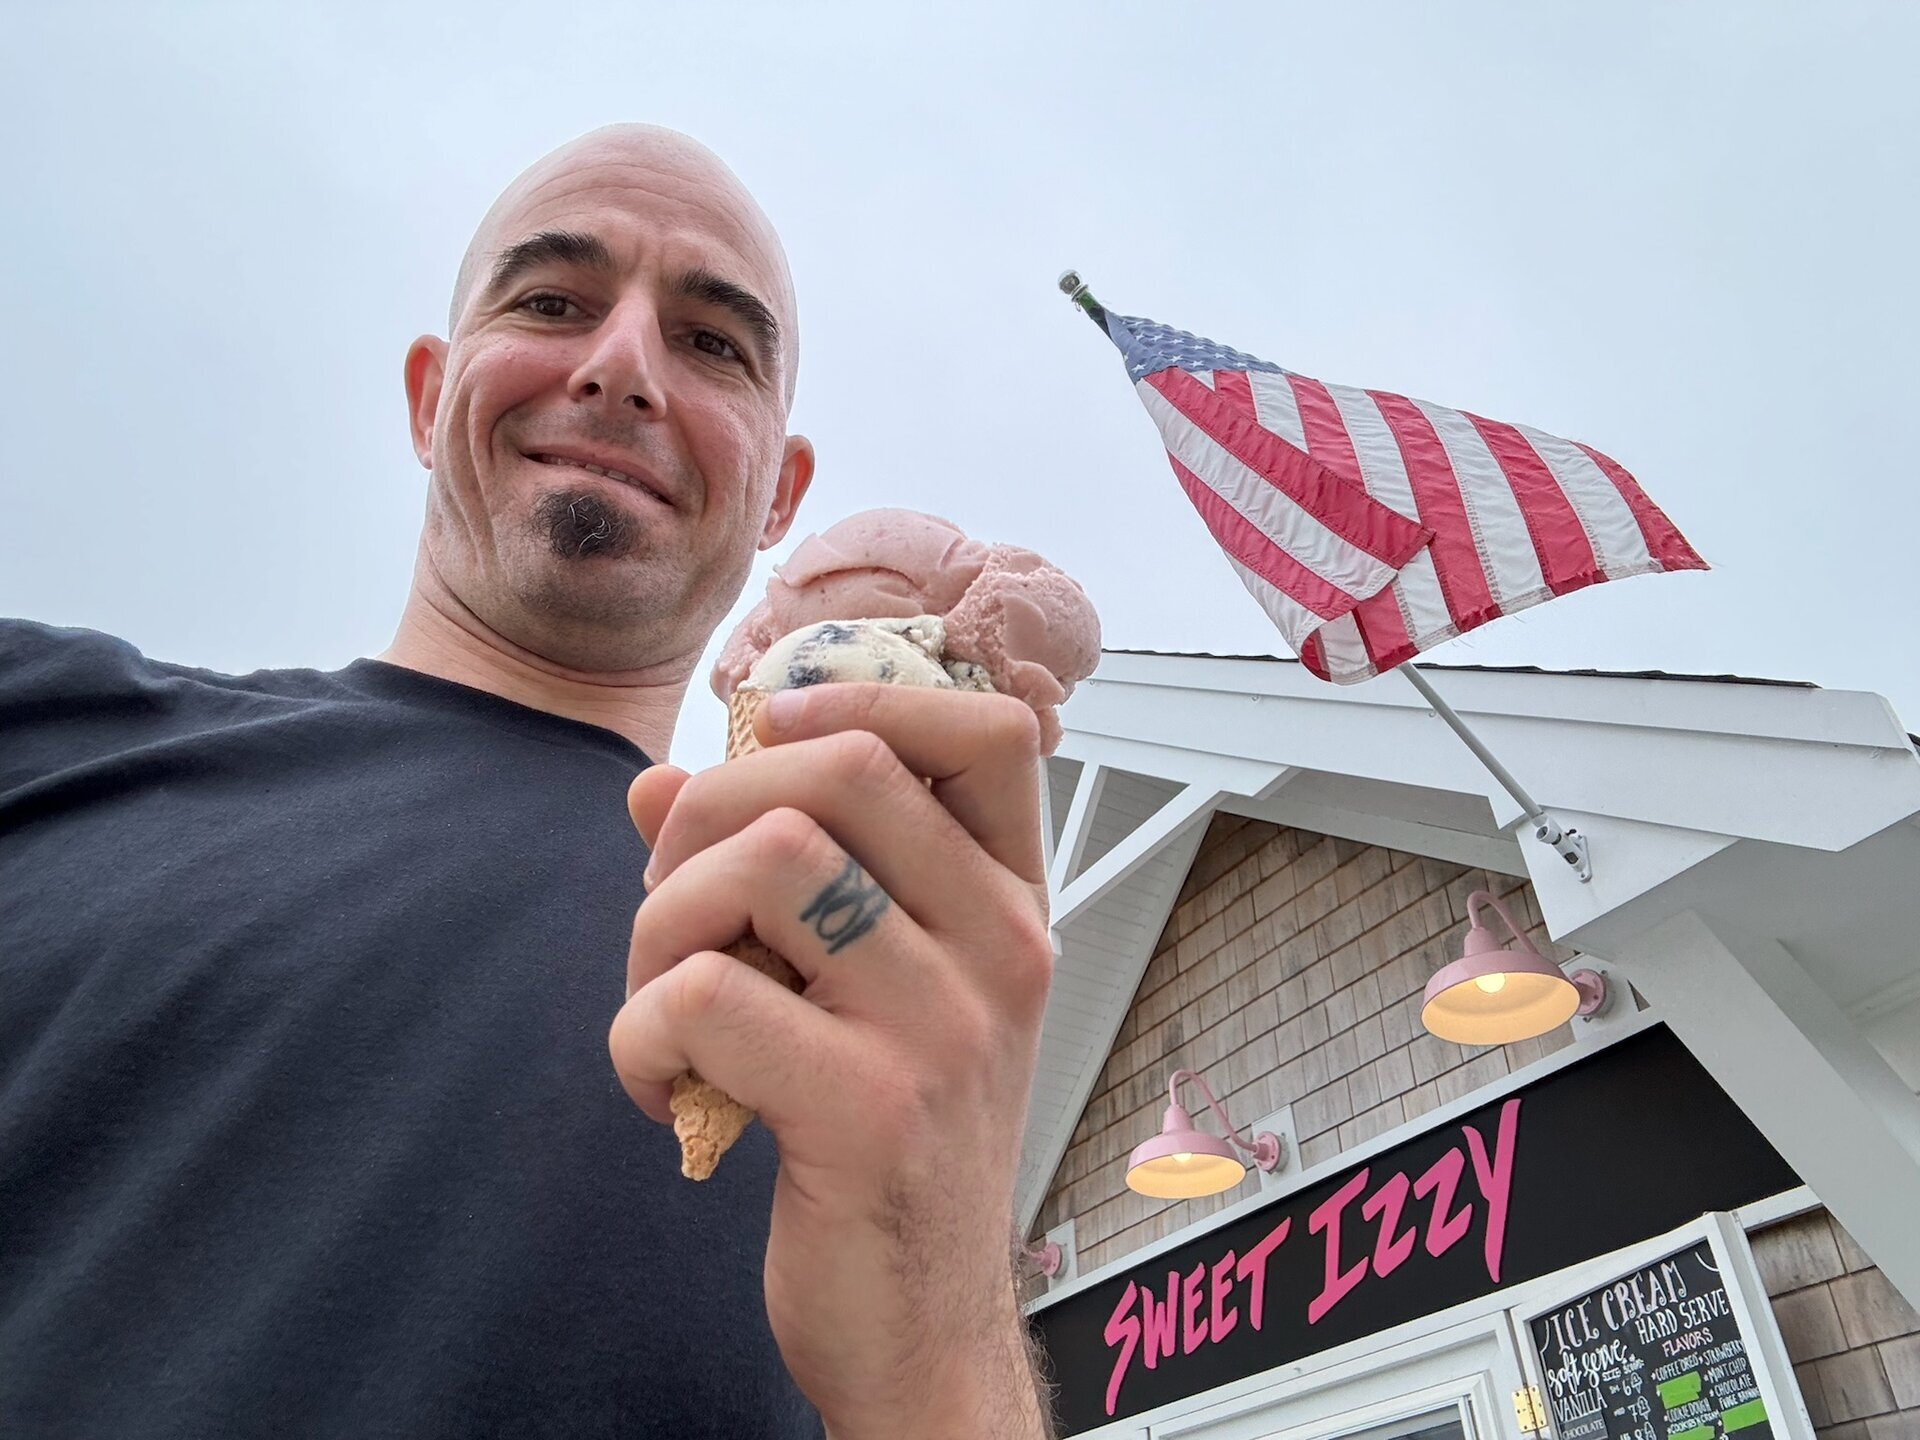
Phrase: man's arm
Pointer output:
(897, 1086)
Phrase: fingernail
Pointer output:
(783, 709)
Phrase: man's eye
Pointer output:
(714, 343)
(552, 307)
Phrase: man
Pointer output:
(306, 1125)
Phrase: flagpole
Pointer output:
(1569, 844)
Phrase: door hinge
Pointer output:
(1529, 1410)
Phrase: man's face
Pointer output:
(607, 427)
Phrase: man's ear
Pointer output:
(796, 474)
(426, 368)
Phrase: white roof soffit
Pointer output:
(1663, 775)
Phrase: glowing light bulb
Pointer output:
(1492, 984)
(1185, 1157)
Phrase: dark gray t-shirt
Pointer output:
(307, 1125)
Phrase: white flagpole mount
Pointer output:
(1565, 841)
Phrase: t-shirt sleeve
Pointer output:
(61, 692)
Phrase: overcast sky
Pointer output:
(1682, 233)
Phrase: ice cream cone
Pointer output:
(887, 649)
(706, 1119)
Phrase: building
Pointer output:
(1694, 1213)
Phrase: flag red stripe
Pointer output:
(1313, 656)
(1566, 553)
(1383, 625)
(1342, 506)
(1233, 385)
(1327, 438)
(1664, 541)
(1248, 544)
(1383, 629)
(1436, 493)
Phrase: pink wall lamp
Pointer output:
(1184, 1161)
(1048, 1257)
(1051, 1254)
(1495, 994)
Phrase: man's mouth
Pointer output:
(636, 481)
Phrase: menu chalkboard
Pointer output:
(1654, 1355)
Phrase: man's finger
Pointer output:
(784, 879)
(771, 1050)
(859, 793)
(982, 753)
(651, 795)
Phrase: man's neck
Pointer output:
(440, 636)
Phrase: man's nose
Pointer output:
(626, 364)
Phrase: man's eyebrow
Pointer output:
(749, 309)
(564, 247)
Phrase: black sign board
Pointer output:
(1634, 1141)
(1654, 1355)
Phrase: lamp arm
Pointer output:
(1486, 897)
(1226, 1125)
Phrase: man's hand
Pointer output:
(896, 1087)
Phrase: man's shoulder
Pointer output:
(73, 698)
(62, 675)
(33, 654)
(32, 651)
(24, 638)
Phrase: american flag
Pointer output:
(1371, 527)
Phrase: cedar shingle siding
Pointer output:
(1290, 972)
(1855, 1343)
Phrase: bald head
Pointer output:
(640, 165)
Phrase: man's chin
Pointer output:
(585, 526)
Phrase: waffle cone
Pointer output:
(706, 1119)
(742, 706)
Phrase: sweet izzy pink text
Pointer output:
(1358, 1237)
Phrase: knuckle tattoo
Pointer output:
(846, 907)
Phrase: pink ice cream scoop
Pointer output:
(1025, 623)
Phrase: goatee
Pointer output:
(582, 523)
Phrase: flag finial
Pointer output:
(1075, 289)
